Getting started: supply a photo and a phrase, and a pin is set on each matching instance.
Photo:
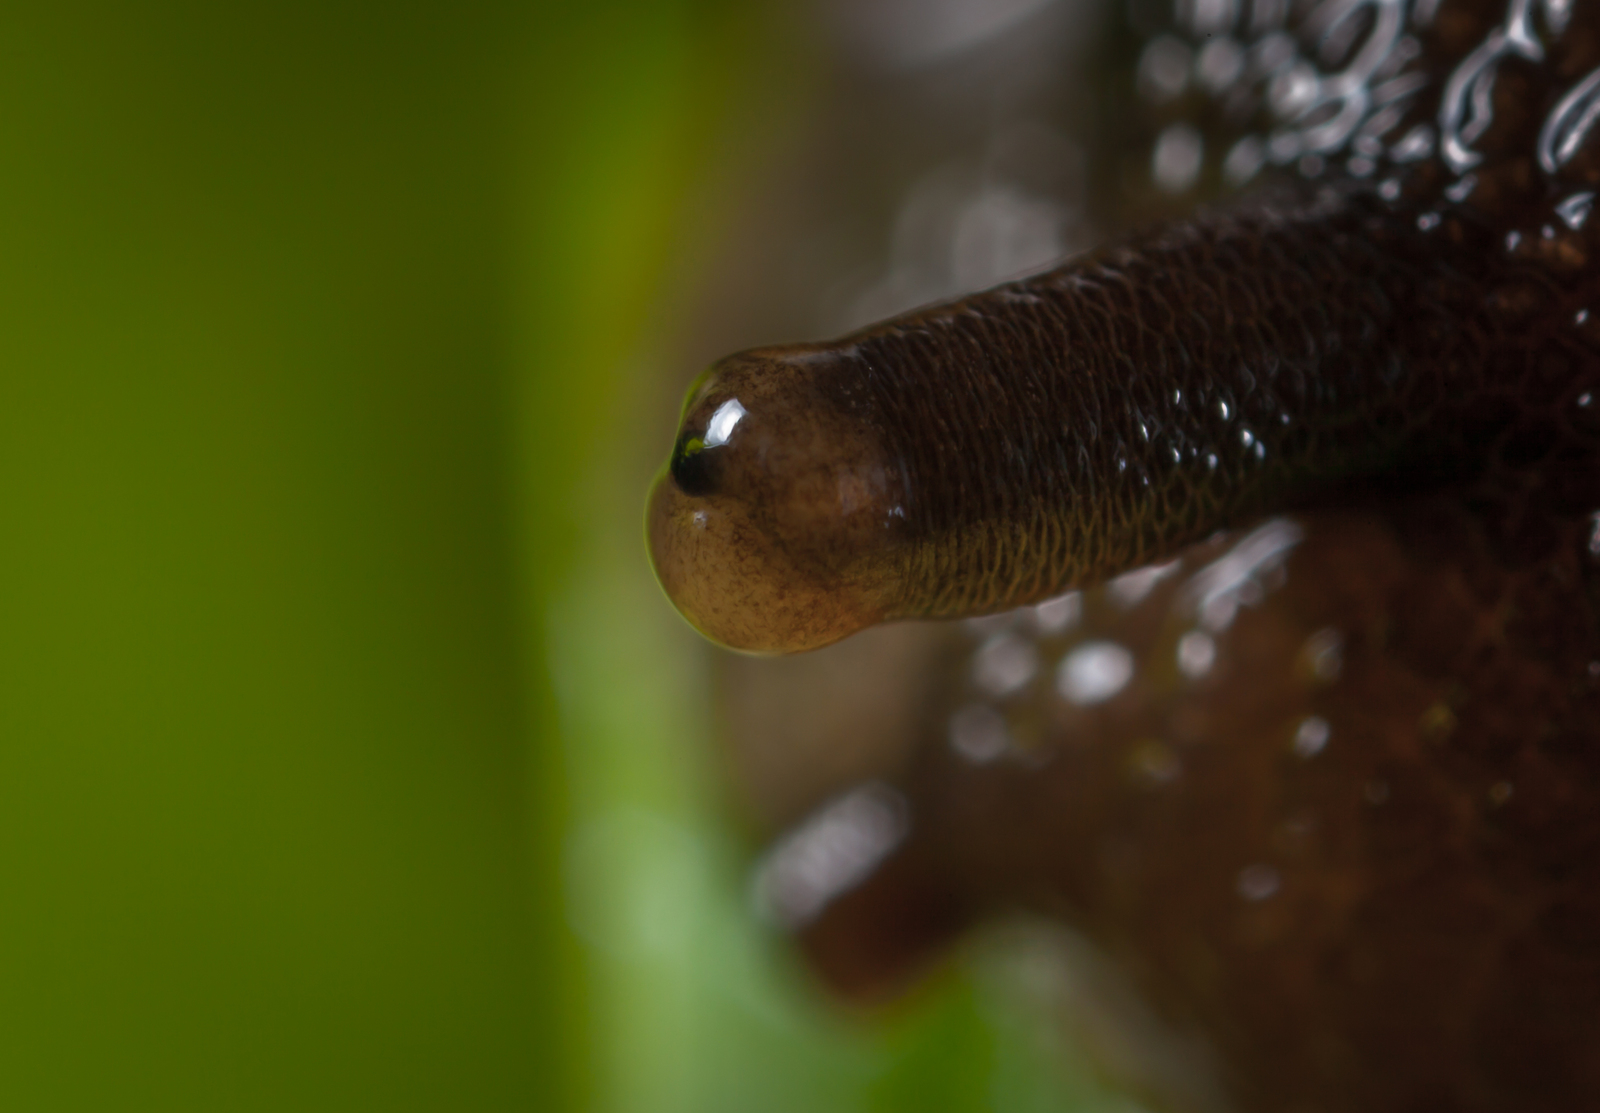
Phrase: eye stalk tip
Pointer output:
(735, 585)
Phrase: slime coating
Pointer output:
(1051, 433)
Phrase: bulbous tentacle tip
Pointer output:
(770, 526)
(734, 584)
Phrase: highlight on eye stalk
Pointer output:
(768, 526)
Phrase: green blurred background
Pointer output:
(348, 758)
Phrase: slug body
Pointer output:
(991, 452)
(1050, 433)
(1323, 787)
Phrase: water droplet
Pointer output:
(1223, 585)
(1293, 89)
(1163, 69)
(1094, 672)
(1414, 146)
(1513, 240)
(1324, 652)
(1585, 399)
(1197, 652)
(978, 733)
(1056, 615)
(830, 853)
(1581, 317)
(1461, 190)
(1311, 736)
(1220, 63)
(1574, 211)
(1568, 125)
(1274, 51)
(1222, 409)
(1210, 17)
(1389, 189)
(1427, 222)
(984, 625)
(1175, 162)
(1244, 161)
(1258, 882)
(1130, 588)
(1004, 664)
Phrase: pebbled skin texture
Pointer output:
(988, 453)
(1326, 787)
(1054, 432)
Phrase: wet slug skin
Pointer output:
(1409, 298)
(1309, 749)
(1050, 433)
(774, 524)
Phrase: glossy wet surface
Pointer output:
(1327, 790)
(1312, 335)
(1324, 788)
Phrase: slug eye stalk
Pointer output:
(771, 525)
(1049, 434)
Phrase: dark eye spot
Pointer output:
(693, 468)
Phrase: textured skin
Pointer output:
(1341, 820)
(1053, 432)
(1057, 431)
(1047, 434)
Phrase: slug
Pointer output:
(1280, 352)
(1314, 772)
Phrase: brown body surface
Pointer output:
(1326, 788)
